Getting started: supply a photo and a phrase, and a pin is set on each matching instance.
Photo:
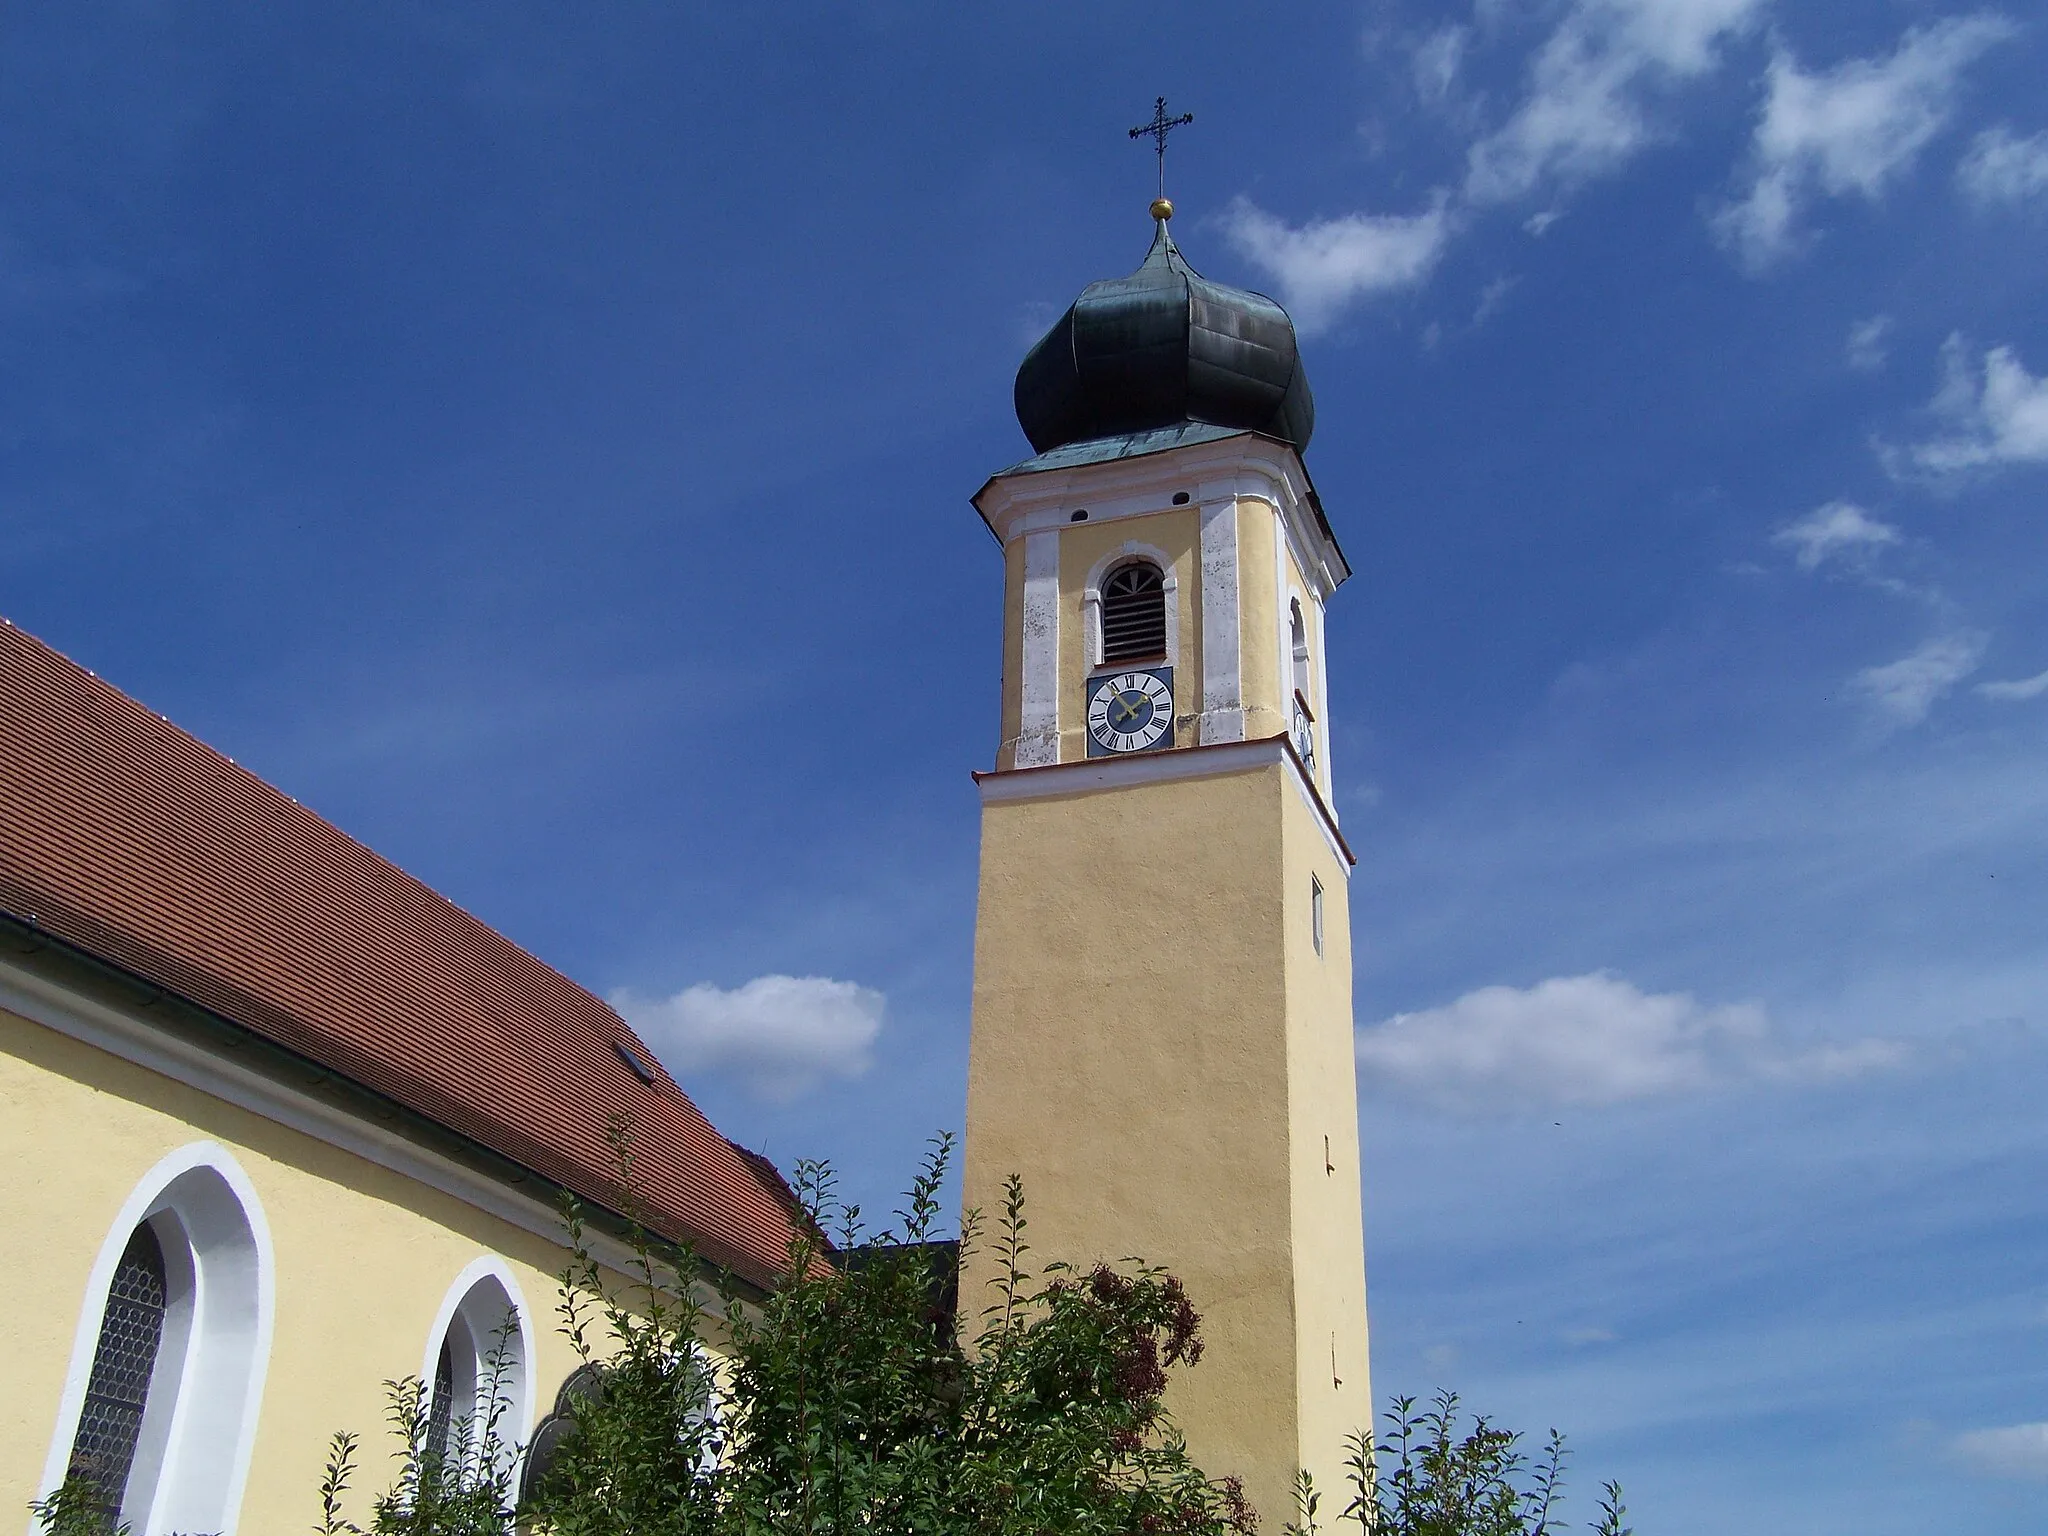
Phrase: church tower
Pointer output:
(1162, 1041)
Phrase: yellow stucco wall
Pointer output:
(364, 1259)
(1159, 1051)
(1328, 1226)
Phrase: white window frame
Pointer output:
(1297, 635)
(1129, 551)
(199, 1426)
(470, 1316)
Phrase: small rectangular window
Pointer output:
(1315, 911)
(634, 1064)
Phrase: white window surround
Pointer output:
(199, 1429)
(1091, 602)
(1304, 671)
(1298, 664)
(716, 1383)
(1297, 628)
(472, 1318)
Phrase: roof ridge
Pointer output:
(129, 837)
(271, 795)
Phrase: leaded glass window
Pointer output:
(441, 1410)
(117, 1391)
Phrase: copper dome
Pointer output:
(1161, 347)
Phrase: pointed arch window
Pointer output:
(167, 1371)
(1134, 613)
(123, 1363)
(478, 1402)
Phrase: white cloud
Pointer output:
(1853, 128)
(1590, 86)
(2015, 689)
(1587, 1040)
(2000, 418)
(1867, 346)
(2017, 1450)
(1322, 267)
(1902, 692)
(780, 1035)
(2000, 168)
(1840, 530)
(1437, 60)
(1493, 299)
(1585, 111)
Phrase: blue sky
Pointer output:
(539, 438)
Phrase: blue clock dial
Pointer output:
(1130, 711)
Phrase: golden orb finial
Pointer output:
(1162, 208)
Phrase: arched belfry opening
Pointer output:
(1134, 613)
(1298, 636)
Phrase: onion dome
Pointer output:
(1163, 347)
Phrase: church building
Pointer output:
(279, 1123)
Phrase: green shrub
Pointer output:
(848, 1403)
(1429, 1476)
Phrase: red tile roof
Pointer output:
(127, 838)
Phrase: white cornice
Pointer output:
(1089, 775)
(1243, 467)
(148, 1045)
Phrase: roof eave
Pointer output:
(35, 947)
(1340, 566)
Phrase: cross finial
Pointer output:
(1160, 126)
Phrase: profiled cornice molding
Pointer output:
(149, 1037)
(1244, 467)
(1089, 775)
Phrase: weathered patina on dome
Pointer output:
(1161, 347)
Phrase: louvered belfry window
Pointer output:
(1134, 613)
(116, 1393)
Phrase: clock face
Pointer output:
(1305, 741)
(1130, 711)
